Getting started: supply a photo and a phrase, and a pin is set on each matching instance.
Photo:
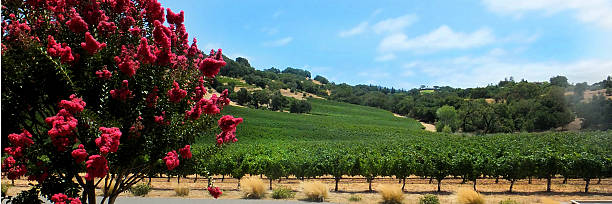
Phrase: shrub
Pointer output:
(181, 191)
(468, 196)
(253, 188)
(5, 188)
(141, 189)
(429, 199)
(508, 201)
(391, 194)
(315, 191)
(354, 198)
(282, 193)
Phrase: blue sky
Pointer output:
(405, 44)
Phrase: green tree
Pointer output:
(260, 97)
(321, 79)
(278, 102)
(447, 116)
(560, 81)
(243, 97)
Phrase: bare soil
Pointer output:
(415, 188)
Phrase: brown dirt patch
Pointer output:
(428, 126)
(415, 188)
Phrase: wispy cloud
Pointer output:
(355, 30)
(598, 12)
(385, 57)
(269, 31)
(279, 42)
(443, 38)
(394, 24)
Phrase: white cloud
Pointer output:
(598, 12)
(480, 71)
(385, 57)
(355, 30)
(394, 24)
(269, 31)
(443, 38)
(279, 42)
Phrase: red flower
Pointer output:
(174, 18)
(144, 52)
(195, 112)
(176, 94)
(122, 94)
(79, 155)
(224, 99)
(106, 28)
(91, 45)
(60, 198)
(210, 106)
(186, 152)
(212, 64)
(193, 50)
(215, 192)
(161, 35)
(200, 90)
(108, 140)
(62, 127)
(76, 23)
(160, 119)
(228, 125)
(14, 151)
(8, 163)
(171, 160)
(153, 11)
(104, 74)
(126, 62)
(97, 166)
(152, 97)
(74, 105)
(56, 50)
(24, 139)
(16, 172)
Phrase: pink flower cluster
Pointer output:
(91, 45)
(60, 198)
(186, 152)
(215, 192)
(153, 11)
(126, 62)
(62, 129)
(144, 52)
(108, 140)
(59, 50)
(152, 97)
(175, 18)
(76, 23)
(228, 125)
(74, 105)
(171, 160)
(122, 94)
(176, 94)
(104, 74)
(79, 155)
(97, 167)
(161, 119)
(20, 142)
(212, 64)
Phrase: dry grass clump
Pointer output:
(468, 196)
(391, 194)
(548, 201)
(315, 191)
(253, 188)
(181, 191)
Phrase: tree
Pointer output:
(560, 81)
(321, 79)
(447, 116)
(278, 102)
(299, 106)
(243, 61)
(243, 97)
(98, 88)
(261, 97)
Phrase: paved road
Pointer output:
(137, 200)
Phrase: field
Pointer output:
(339, 140)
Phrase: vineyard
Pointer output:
(339, 139)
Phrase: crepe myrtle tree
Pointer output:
(96, 94)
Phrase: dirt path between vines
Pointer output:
(415, 188)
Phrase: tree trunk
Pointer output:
(196, 178)
(564, 180)
(169, 178)
(239, 184)
(403, 183)
(279, 180)
(474, 184)
(150, 180)
(91, 191)
(399, 180)
(599, 181)
(586, 187)
(529, 181)
(270, 184)
(511, 185)
(178, 179)
(337, 180)
(548, 181)
(439, 182)
(222, 177)
(111, 200)
(463, 180)
(430, 180)
(496, 179)
(370, 185)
